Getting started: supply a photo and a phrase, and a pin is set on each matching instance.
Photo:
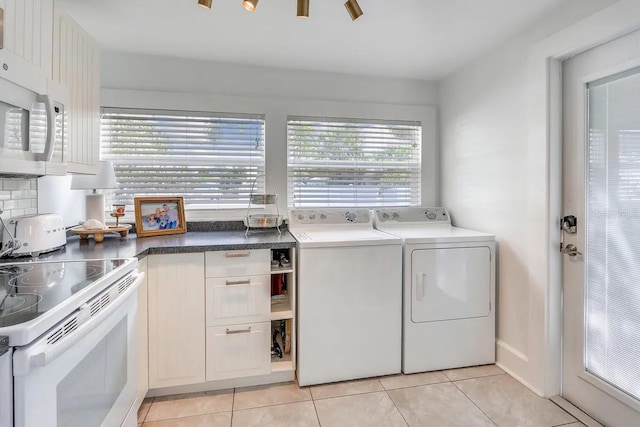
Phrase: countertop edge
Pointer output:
(132, 246)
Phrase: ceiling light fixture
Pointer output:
(354, 9)
(250, 5)
(303, 8)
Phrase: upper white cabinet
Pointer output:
(76, 66)
(26, 53)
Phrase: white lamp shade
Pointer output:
(106, 178)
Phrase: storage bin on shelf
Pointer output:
(271, 218)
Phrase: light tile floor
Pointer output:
(468, 397)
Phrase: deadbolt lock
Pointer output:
(569, 224)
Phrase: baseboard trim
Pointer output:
(512, 350)
(276, 377)
(515, 363)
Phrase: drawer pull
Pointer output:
(237, 254)
(238, 331)
(238, 282)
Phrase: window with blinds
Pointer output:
(345, 162)
(211, 160)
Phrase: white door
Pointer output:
(450, 283)
(601, 168)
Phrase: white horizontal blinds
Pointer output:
(345, 162)
(209, 159)
(612, 286)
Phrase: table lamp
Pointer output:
(105, 179)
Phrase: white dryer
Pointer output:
(349, 296)
(448, 290)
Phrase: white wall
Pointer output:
(156, 73)
(55, 196)
(140, 81)
(498, 175)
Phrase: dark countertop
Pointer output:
(115, 246)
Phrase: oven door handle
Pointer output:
(40, 353)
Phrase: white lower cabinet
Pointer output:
(240, 299)
(238, 351)
(217, 316)
(176, 320)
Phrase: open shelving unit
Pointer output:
(283, 297)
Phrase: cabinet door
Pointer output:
(176, 320)
(232, 300)
(76, 66)
(27, 29)
(143, 336)
(238, 351)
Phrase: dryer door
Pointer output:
(450, 283)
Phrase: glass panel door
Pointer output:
(612, 291)
(601, 261)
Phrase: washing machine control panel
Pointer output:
(417, 214)
(329, 216)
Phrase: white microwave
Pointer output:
(32, 132)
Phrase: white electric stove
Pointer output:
(68, 329)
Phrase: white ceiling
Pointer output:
(417, 39)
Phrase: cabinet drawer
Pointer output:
(238, 351)
(240, 299)
(238, 263)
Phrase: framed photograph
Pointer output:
(156, 216)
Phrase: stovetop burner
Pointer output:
(11, 304)
(27, 290)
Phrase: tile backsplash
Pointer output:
(18, 196)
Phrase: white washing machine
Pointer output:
(349, 296)
(448, 291)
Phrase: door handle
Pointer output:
(571, 250)
(51, 128)
(238, 331)
(421, 278)
(237, 254)
(238, 282)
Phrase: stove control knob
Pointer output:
(430, 214)
(312, 217)
(323, 216)
(385, 215)
(396, 215)
(300, 217)
(351, 216)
